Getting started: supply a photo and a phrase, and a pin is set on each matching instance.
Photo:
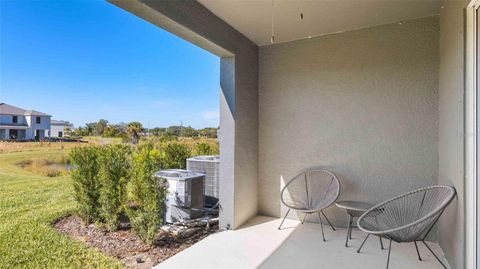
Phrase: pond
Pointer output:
(63, 166)
(46, 167)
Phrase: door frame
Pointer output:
(472, 117)
(15, 131)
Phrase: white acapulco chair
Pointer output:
(311, 192)
(408, 217)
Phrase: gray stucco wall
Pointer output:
(363, 104)
(451, 128)
(238, 98)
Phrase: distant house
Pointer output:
(22, 124)
(57, 128)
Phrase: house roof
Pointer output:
(13, 110)
(59, 122)
(35, 113)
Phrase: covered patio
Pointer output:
(13, 131)
(378, 92)
(259, 244)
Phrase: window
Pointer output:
(14, 119)
(39, 120)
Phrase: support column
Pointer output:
(238, 101)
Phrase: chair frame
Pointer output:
(312, 210)
(438, 211)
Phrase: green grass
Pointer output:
(29, 203)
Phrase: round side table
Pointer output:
(354, 209)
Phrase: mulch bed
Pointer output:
(126, 246)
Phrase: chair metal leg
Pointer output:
(381, 243)
(389, 250)
(321, 225)
(333, 228)
(418, 252)
(438, 259)
(348, 230)
(304, 217)
(288, 211)
(364, 240)
(351, 230)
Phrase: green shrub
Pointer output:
(114, 170)
(175, 155)
(85, 182)
(204, 148)
(146, 194)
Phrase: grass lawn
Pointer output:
(28, 204)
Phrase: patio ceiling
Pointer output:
(253, 18)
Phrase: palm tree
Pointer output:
(134, 129)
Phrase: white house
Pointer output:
(22, 124)
(57, 128)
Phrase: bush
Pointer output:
(85, 182)
(204, 148)
(175, 155)
(146, 194)
(114, 170)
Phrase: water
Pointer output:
(67, 167)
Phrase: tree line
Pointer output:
(135, 129)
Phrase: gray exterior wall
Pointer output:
(8, 119)
(26, 133)
(238, 99)
(55, 129)
(363, 104)
(44, 126)
(451, 129)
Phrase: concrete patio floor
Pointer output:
(259, 244)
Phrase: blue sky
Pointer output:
(85, 60)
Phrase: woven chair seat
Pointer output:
(407, 217)
(311, 191)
